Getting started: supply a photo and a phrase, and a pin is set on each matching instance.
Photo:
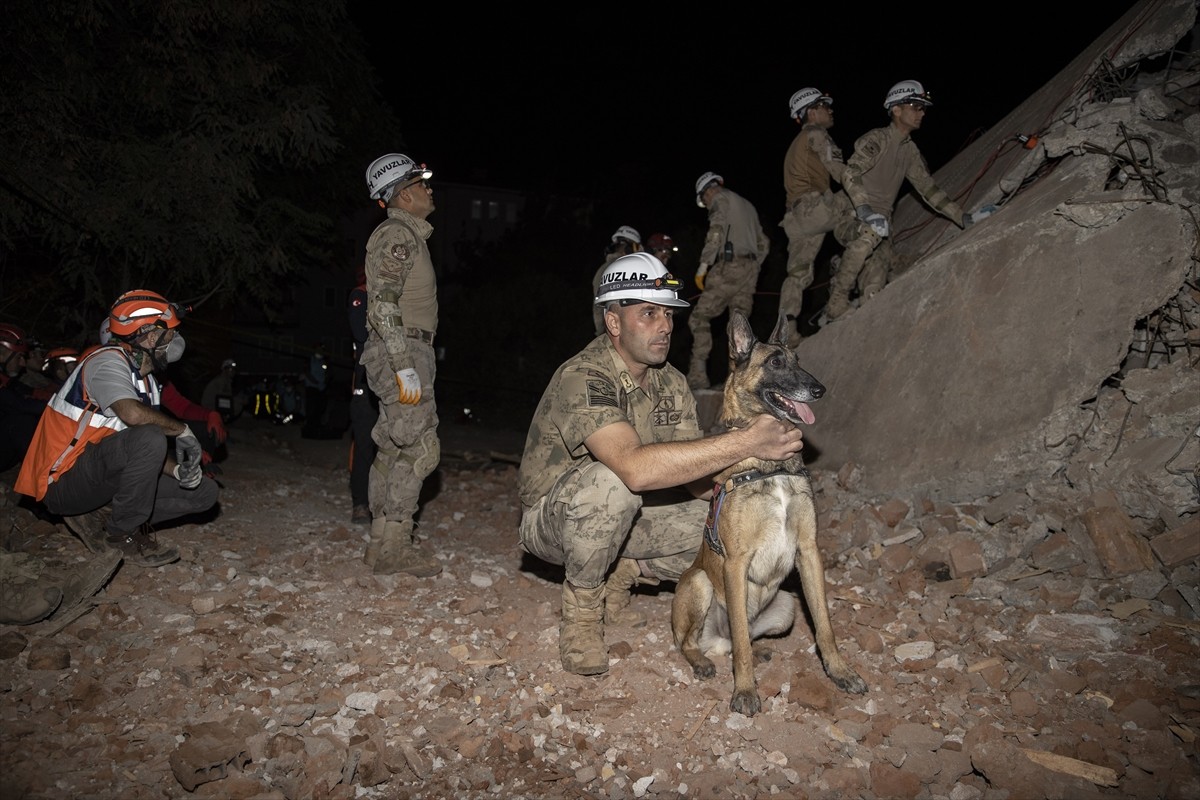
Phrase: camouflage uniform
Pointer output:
(812, 208)
(576, 511)
(882, 159)
(402, 314)
(729, 284)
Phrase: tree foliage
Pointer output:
(201, 148)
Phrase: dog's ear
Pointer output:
(780, 334)
(741, 337)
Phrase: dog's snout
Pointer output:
(818, 391)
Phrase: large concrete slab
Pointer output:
(968, 372)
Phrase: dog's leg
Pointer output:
(689, 609)
(812, 578)
(745, 688)
(774, 619)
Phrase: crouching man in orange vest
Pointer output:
(100, 456)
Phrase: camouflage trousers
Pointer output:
(729, 285)
(405, 436)
(806, 223)
(866, 261)
(588, 519)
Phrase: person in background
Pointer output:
(60, 361)
(624, 241)
(734, 249)
(364, 409)
(402, 317)
(883, 159)
(316, 397)
(101, 456)
(662, 247)
(813, 209)
(20, 406)
(221, 393)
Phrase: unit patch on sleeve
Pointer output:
(600, 390)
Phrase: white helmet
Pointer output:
(805, 98)
(702, 183)
(386, 171)
(639, 278)
(627, 232)
(907, 92)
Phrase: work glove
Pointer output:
(410, 386)
(877, 221)
(216, 426)
(188, 459)
(700, 273)
(983, 212)
(188, 475)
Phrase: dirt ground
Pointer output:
(1006, 657)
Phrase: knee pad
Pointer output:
(428, 454)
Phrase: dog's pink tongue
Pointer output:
(804, 413)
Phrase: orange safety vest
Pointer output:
(71, 421)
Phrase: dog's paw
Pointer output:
(705, 670)
(849, 682)
(746, 702)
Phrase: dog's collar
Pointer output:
(711, 533)
(751, 475)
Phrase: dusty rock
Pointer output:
(311, 677)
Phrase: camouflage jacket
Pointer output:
(882, 159)
(401, 284)
(733, 217)
(811, 160)
(589, 391)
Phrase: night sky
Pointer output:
(635, 109)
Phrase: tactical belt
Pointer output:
(418, 333)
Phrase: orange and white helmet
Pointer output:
(140, 309)
(13, 338)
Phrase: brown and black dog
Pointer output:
(762, 521)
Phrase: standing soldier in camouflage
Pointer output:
(813, 209)
(402, 314)
(615, 470)
(626, 240)
(734, 249)
(883, 158)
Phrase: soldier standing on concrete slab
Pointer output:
(883, 158)
(813, 209)
(734, 249)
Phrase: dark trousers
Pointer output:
(363, 413)
(125, 469)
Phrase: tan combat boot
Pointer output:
(617, 599)
(399, 553)
(375, 542)
(581, 632)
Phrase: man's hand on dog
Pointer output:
(774, 440)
